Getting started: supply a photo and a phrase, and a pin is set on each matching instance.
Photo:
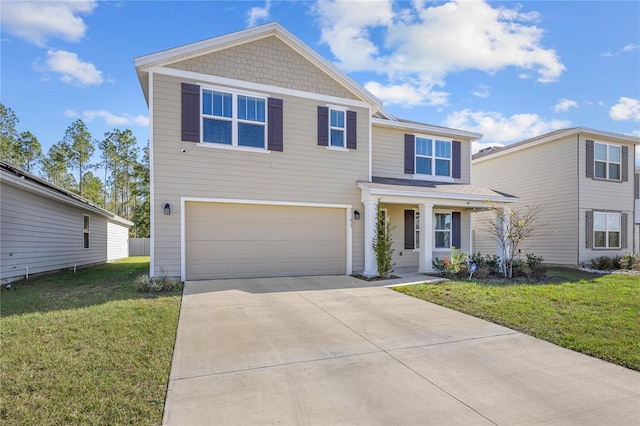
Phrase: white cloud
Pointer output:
(565, 105)
(110, 118)
(497, 128)
(482, 91)
(628, 48)
(258, 14)
(72, 70)
(626, 109)
(36, 21)
(408, 95)
(425, 41)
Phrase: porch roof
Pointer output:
(380, 186)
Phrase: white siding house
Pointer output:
(46, 228)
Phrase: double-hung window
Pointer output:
(337, 128)
(606, 230)
(433, 157)
(85, 230)
(233, 119)
(442, 230)
(608, 161)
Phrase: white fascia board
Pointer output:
(49, 193)
(373, 192)
(191, 50)
(252, 34)
(259, 87)
(570, 132)
(426, 129)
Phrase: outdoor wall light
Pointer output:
(167, 209)
(356, 215)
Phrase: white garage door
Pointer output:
(247, 240)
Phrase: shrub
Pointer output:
(492, 262)
(603, 263)
(145, 284)
(383, 244)
(482, 272)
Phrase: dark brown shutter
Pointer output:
(456, 160)
(323, 126)
(351, 130)
(623, 230)
(409, 229)
(190, 112)
(590, 158)
(589, 229)
(625, 163)
(455, 230)
(636, 186)
(274, 112)
(409, 154)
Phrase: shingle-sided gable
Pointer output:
(266, 61)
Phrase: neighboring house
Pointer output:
(46, 228)
(266, 160)
(583, 181)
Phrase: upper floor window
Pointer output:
(608, 161)
(233, 119)
(336, 127)
(606, 230)
(433, 157)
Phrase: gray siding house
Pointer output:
(583, 180)
(46, 228)
(267, 160)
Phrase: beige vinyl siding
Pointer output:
(545, 176)
(303, 172)
(388, 154)
(267, 61)
(483, 242)
(117, 241)
(45, 235)
(409, 258)
(598, 194)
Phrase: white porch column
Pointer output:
(425, 263)
(370, 263)
(502, 222)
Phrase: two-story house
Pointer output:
(267, 160)
(582, 180)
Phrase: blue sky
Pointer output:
(508, 70)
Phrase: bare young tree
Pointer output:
(510, 228)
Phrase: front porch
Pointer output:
(427, 219)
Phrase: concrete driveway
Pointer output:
(338, 350)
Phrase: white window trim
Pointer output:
(607, 231)
(234, 119)
(343, 110)
(433, 157)
(450, 231)
(607, 162)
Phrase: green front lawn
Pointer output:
(85, 348)
(598, 315)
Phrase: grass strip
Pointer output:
(85, 348)
(598, 315)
